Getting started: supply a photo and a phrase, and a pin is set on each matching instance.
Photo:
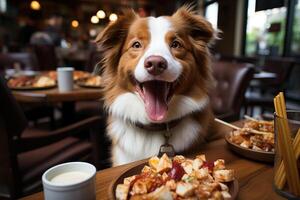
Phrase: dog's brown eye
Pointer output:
(175, 44)
(136, 45)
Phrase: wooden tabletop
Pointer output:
(265, 75)
(255, 178)
(54, 96)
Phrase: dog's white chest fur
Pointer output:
(131, 143)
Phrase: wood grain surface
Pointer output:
(255, 178)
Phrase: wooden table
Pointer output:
(52, 96)
(265, 75)
(255, 179)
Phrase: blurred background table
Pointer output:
(264, 75)
(52, 96)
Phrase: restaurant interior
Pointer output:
(44, 124)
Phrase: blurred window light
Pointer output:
(3, 6)
(94, 19)
(35, 5)
(74, 23)
(265, 30)
(211, 14)
(295, 46)
(101, 14)
(113, 17)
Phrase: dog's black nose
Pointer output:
(155, 65)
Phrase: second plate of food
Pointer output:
(90, 82)
(152, 180)
(255, 140)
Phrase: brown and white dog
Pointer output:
(156, 71)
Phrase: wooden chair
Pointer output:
(232, 80)
(25, 153)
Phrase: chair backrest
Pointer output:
(232, 80)
(46, 57)
(12, 124)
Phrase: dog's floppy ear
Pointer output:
(198, 27)
(200, 34)
(112, 38)
(115, 31)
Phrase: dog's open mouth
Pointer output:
(156, 96)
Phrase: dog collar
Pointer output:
(158, 126)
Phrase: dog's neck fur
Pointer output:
(128, 109)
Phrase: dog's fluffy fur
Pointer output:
(126, 44)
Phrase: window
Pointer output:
(3, 6)
(211, 14)
(295, 44)
(265, 31)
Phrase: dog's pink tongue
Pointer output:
(155, 99)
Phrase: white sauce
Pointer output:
(68, 178)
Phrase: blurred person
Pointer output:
(54, 28)
(41, 38)
(52, 34)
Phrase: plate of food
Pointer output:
(254, 140)
(177, 178)
(77, 75)
(93, 81)
(31, 83)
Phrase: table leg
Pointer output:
(68, 112)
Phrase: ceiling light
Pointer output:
(113, 17)
(35, 5)
(101, 14)
(94, 19)
(74, 23)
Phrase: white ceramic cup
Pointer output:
(59, 185)
(65, 78)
